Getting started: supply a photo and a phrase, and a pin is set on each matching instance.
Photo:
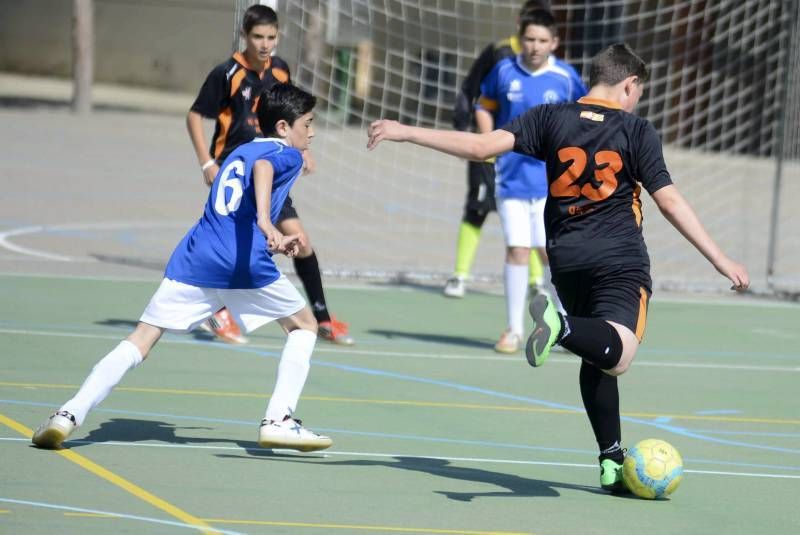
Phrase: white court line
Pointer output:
(117, 515)
(327, 453)
(38, 229)
(433, 356)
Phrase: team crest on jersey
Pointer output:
(592, 116)
(246, 92)
(550, 97)
(514, 91)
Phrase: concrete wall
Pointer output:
(169, 44)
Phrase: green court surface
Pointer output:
(433, 432)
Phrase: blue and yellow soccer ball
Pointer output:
(652, 469)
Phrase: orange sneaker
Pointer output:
(222, 325)
(335, 331)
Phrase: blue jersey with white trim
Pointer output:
(510, 90)
(225, 248)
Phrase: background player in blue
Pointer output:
(597, 154)
(480, 199)
(514, 86)
(226, 260)
(230, 95)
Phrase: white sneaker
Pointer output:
(455, 287)
(509, 343)
(291, 434)
(55, 430)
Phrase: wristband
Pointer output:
(208, 164)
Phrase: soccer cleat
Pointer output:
(455, 287)
(291, 434)
(509, 342)
(53, 432)
(546, 328)
(224, 327)
(335, 331)
(611, 477)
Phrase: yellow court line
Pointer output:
(4, 511)
(113, 478)
(447, 405)
(362, 527)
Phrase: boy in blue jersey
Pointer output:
(226, 260)
(515, 85)
(230, 95)
(480, 199)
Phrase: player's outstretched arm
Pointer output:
(461, 144)
(678, 212)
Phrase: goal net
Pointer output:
(722, 94)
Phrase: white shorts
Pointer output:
(182, 307)
(522, 221)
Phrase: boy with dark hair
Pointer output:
(513, 86)
(597, 153)
(480, 199)
(230, 95)
(226, 260)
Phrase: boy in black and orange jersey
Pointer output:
(230, 96)
(597, 154)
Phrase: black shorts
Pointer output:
(480, 192)
(287, 211)
(615, 293)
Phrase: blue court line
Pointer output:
(248, 423)
(117, 515)
(378, 342)
(496, 394)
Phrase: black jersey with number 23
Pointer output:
(597, 155)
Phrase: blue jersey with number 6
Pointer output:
(225, 248)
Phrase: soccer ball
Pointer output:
(652, 469)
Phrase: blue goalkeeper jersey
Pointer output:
(510, 90)
(225, 248)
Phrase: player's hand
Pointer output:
(736, 272)
(290, 245)
(210, 174)
(309, 164)
(274, 239)
(385, 129)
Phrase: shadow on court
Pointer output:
(130, 430)
(196, 334)
(516, 486)
(478, 343)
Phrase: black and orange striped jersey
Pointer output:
(230, 95)
(597, 155)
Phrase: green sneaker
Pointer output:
(546, 328)
(611, 476)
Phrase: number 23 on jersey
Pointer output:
(607, 163)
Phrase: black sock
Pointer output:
(601, 400)
(308, 270)
(592, 339)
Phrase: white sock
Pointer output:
(103, 378)
(516, 285)
(292, 373)
(551, 289)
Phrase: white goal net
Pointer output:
(723, 94)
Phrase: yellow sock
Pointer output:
(468, 238)
(536, 271)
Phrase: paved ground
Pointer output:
(115, 190)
